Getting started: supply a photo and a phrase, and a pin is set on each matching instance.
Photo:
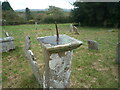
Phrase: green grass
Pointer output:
(90, 69)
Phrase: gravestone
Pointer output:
(58, 60)
(36, 25)
(75, 30)
(27, 45)
(6, 34)
(71, 28)
(93, 45)
(6, 44)
(34, 66)
(32, 60)
(118, 53)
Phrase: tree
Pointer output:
(28, 14)
(54, 14)
(6, 6)
(9, 17)
(95, 14)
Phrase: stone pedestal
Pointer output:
(6, 44)
(58, 59)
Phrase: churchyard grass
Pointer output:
(90, 68)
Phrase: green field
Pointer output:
(90, 69)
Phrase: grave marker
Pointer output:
(36, 25)
(118, 52)
(34, 66)
(71, 28)
(93, 45)
(6, 34)
(75, 30)
(7, 44)
(27, 43)
(30, 56)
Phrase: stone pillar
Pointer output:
(58, 59)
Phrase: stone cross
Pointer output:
(93, 45)
(75, 30)
(118, 53)
(71, 28)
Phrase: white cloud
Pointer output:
(40, 4)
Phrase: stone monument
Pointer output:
(58, 59)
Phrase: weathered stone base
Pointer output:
(59, 70)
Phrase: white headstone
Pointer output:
(71, 28)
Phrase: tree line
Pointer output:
(85, 14)
(105, 14)
(10, 17)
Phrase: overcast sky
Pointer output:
(39, 4)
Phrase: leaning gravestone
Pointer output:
(93, 45)
(6, 33)
(118, 53)
(34, 66)
(30, 56)
(75, 30)
(6, 44)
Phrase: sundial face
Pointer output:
(63, 39)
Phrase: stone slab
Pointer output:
(65, 43)
(93, 45)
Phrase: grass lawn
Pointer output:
(90, 69)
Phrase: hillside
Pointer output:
(23, 10)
